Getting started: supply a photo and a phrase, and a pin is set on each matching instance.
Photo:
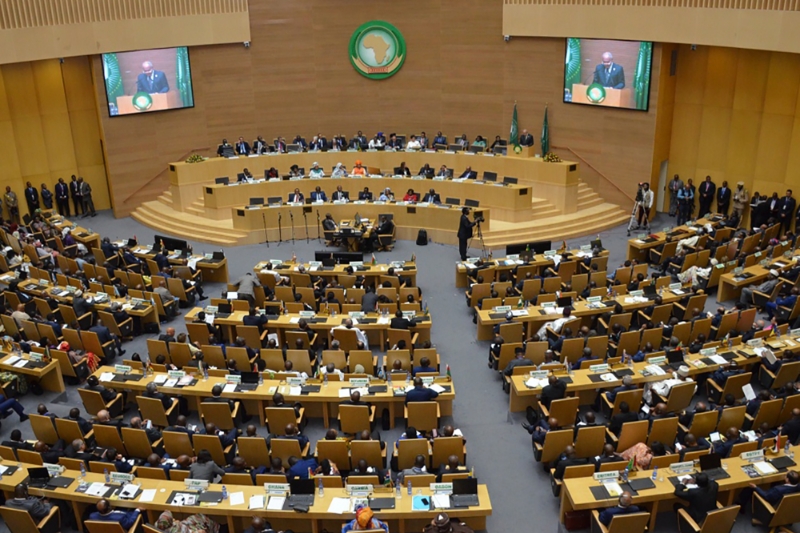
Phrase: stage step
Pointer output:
(542, 209)
(159, 216)
(166, 198)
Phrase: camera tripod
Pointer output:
(634, 222)
(480, 237)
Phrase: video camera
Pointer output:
(478, 216)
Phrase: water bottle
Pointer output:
(224, 492)
(389, 380)
(408, 378)
(397, 490)
(83, 469)
(325, 379)
(260, 379)
(106, 475)
(205, 372)
(320, 488)
(655, 473)
(408, 485)
(787, 448)
(625, 475)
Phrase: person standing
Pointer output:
(674, 188)
(707, 190)
(723, 198)
(47, 197)
(464, 232)
(685, 203)
(75, 193)
(32, 198)
(740, 198)
(151, 80)
(786, 210)
(86, 196)
(12, 205)
(643, 209)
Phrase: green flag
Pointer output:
(183, 77)
(572, 67)
(513, 136)
(545, 135)
(113, 78)
(641, 78)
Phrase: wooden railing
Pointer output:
(164, 171)
(599, 182)
(761, 5)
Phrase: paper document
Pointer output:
(339, 506)
(764, 468)
(170, 382)
(11, 360)
(106, 376)
(718, 359)
(256, 502)
(614, 489)
(748, 392)
(344, 393)
(147, 495)
(295, 391)
(96, 489)
(230, 387)
(438, 388)
(276, 503)
(441, 501)
(159, 379)
(21, 363)
(237, 498)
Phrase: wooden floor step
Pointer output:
(583, 217)
(563, 232)
(187, 225)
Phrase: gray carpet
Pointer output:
(498, 448)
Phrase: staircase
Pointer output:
(160, 214)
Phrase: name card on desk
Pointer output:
(501, 308)
(195, 484)
(35, 357)
(680, 468)
(755, 455)
(674, 286)
(755, 343)
(442, 488)
(359, 382)
(605, 476)
(707, 352)
(586, 248)
(636, 293)
(427, 380)
(294, 382)
(550, 253)
(176, 374)
(339, 202)
(307, 314)
(599, 368)
(44, 282)
(594, 299)
(231, 378)
(539, 374)
(547, 305)
(795, 332)
(276, 488)
(122, 369)
(657, 360)
(356, 314)
(119, 477)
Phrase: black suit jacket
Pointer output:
(434, 199)
(32, 195)
(465, 227)
(706, 188)
(241, 148)
(786, 206)
(615, 425)
(701, 500)
(399, 323)
(723, 196)
(74, 188)
(62, 191)
(159, 84)
(526, 140)
(614, 79)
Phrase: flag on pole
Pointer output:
(449, 375)
(183, 77)
(545, 134)
(113, 77)
(513, 136)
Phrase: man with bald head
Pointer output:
(453, 466)
(609, 74)
(539, 431)
(625, 506)
(151, 80)
(259, 525)
(568, 458)
(105, 513)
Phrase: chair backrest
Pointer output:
(369, 450)
(100, 526)
(28, 456)
(71, 464)
(359, 357)
(720, 520)
(177, 443)
(152, 409)
(269, 478)
(554, 444)
(253, 450)
(663, 430)
(18, 520)
(590, 441)
(420, 480)
(680, 396)
(787, 372)
(734, 385)
(564, 410)
(789, 405)
(212, 444)
(109, 436)
(363, 480)
(632, 397)
(136, 443)
(354, 418)
(768, 412)
(407, 451)
(444, 447)
(285, 448)
(92, 401)
(7, 453)
(704, 423)
(396, 335)
(423, 415)
(629, 523)
(663, 461)
(237, 479)
(278, 418)
(151, 472)
(43, 429)
(576, 471)
(787, 512)
(334, 450)
(632, 433)
(300, 360)
(99, 467)
(219, 413)
(347, 338)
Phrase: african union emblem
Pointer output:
(377, 50)
(596, 93)
(142, 101)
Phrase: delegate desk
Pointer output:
(639, 249)
(376, 332)
(731, 285)
(237, 517)
(555, 182)
(323, 404)
(47, 374)
(372, 273)
(85, 236)
(510, 203)
(577, 495)
(440, 221)
(214, 270)
(584, 382)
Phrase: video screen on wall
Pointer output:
(608, 73)
(143, 81)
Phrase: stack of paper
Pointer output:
(256, 502)
(613, 489)
(106, 376)
(147, 495)
(229, 387)
(718, 359)
(441, 501)
(276, 503)
(237, 498)
(764, 468)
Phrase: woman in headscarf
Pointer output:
(364, 520)
(339, 172)
(196, 523)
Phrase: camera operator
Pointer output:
(465, 231)
(644, 201)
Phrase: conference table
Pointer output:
(214, 270)
(731, 283)
(85, 236)
(238, 516)
(639, 247)
(322, 404)
(586, 382)
(576, 494)
(376, 331)
(371, 274)
(47, 374)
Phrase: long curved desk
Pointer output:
(238, 517)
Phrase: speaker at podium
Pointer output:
(613, 97)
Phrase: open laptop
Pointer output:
(465, 492)
(224, 311)
(302, 493)
(38, 477)
(249, 381)
(650, 291)
(675, 359)
(711, 464)
(564, 301)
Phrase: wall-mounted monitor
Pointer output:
(607, 73)
(142, 81)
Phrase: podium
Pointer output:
(161, 101)
(526, 151)
(614, 97)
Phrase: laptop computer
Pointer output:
(249, 381)
(38, 477)
(302, 493)
(465, 492)
(711, 464)
(564, 301)
(675, 359)
(224, 311)
(650, 291)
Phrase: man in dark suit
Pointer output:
(339, 194)
(222, 147)
(318, 195)
(608, 456)
(785, 210)
(75, 193)
(399, 321)
(723, 198)
(260, 146)
(15, 441)
(365, 195)
(432, 197)
(625, 506)
(464, 231)
(773, 496)
(791, 428)
(62, 197)
(297, 197)
(526, 139)
(75, 416)
(180, 426)
(568, 458)
(36, 507)
(105, 335)
(702, 499)
(151, 80)
(554, 390)
(609, 74)
(624, 415)
(242, 148)
(706, 196)
(420, 393)
(32, 197)
(627, 384)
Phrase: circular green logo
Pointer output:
(596, 93)
(142, 101)
(377, 50)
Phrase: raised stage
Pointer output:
(548, 202)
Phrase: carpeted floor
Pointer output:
(498, 448)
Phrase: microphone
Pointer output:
(291, 215)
